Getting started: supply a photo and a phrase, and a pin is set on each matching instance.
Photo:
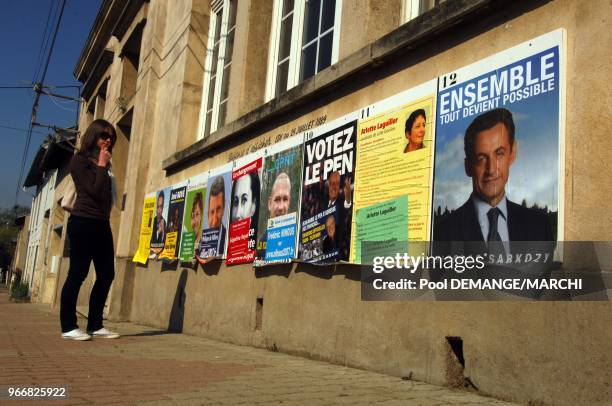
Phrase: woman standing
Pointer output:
(89, 232)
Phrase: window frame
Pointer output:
(295, 51)
(216, 7)
(411, 9)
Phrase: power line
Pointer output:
(43, 41)
(37, 88)
(63, 87)
(60, 106)
(8, 127)
(31, 87)
(59, 20)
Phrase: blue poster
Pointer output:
(280, 238)
(498, 146)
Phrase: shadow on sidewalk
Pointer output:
(150, 333)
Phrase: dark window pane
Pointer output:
(225, 82)
(309, 60)
(222, 111)
(207, 125)
(232, 14)
(287, 7)
(211, 93)
(325, 50)
(426, 5)
(218, 25)
(327, 15)
(215, 56)
(311, 20)
(285, 38)
(281, 78)
(229, 47)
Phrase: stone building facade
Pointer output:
(153, 69)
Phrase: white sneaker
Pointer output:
(104, 333)
(76, 334)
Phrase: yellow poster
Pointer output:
(170, 246)
(146, 229)
(395, 159)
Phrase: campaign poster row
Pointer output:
(429, 163)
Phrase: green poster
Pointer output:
(192, 222)
(384, 226)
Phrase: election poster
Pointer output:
(158, 232)
(280, 200)
(327, 191)
(146, 229)
(499, 146)
(394, 170)
(174, 223)
(216, 214)
(244, 209)
(193, 216)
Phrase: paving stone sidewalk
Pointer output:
(152, 367)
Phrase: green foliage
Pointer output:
(8, 233)
(8, 216)
(19, 290)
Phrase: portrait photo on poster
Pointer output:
(160, 223)
(244, 209)
(280, 200)
(193, 216)
(215, 220)
(327, 190)
(393, 174)
(498, 146)
(174, 223)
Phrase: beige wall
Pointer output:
(364, 21)
(554, 352)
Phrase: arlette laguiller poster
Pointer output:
(394, 172)
(146, 229)
(244, 209)
(193, 216)
(327, 191)
(174, 223)
(500, 146)
(159, 228)
(213, 238)
(280, 202)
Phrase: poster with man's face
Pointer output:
(327, 189)
(174, 223)
(280, 200)
(215, 218)
(498, 147)
(160, 220)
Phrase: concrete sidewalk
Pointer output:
(152, 367)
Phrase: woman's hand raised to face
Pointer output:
(105, 157)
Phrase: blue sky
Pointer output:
(533, 176)
(22, 25)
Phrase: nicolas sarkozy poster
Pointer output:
(499, 147)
